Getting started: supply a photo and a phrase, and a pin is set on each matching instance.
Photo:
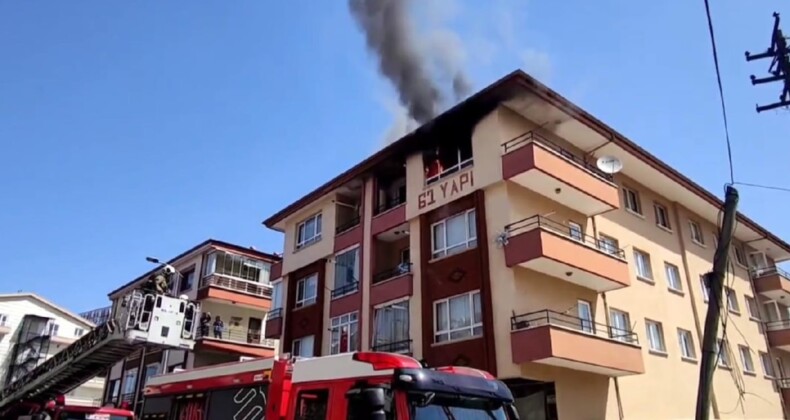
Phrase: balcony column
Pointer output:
(366, 263)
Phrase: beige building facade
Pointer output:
(491, 238)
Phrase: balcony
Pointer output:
(539, 165)
(561, 340)
(402, 347)
(274, 324)
(244, 342)
(778, 333)
(226, 289)
(557, 250)
(392, 283)
(390, 213)
(771, 282)
(783, 385)
(345, 290)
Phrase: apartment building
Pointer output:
(98, 316)
(490, 238)
(232, 283)
(33, 329)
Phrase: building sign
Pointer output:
(446, 191)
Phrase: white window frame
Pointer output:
(732, 301)
(645, 264)
(298, 344)
(475, 327)
(768, 367)
(661, 346)
(389, 336)
(3, 320)
(672, 271)
(695, 231)
(662, 216)
(723, 351)
(129, 381)
(609, 244)
(317, 220)
(623, 332)
(355, 272)
(53, 328)
(632, 201)
(305, 300)
(146, 377)
(575, 231)
(753, 307)
(746, 359)
(704, 287)
(740, 255)
(686, 343)
(585, 313)
(79, 332)
(454, 169)
(350, 321)
(469, 242)
(277, 294)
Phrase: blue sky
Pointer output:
(142, 128)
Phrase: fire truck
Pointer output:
(358, 386)
(142, 319)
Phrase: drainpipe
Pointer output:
(691, 289)
(620, 412)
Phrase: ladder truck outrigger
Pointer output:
(143, 318)
(349, 386)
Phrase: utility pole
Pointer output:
(779, 68)
(715, 283)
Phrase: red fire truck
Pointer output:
(360, 386)
(59, 410)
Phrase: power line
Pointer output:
(767, 187)
(721, 91)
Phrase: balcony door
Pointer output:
(758, 262)
(254, 327)
(585, 315)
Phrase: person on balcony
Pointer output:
(218, 327)
(205, 319)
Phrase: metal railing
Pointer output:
(782, 324)
(391, 273)
(350, 224)
(237, 285)
(402, 346)
(548, 317)
(535, 222)
(533, 137)
(236, 335)
(275, 313)
(346, 289)
(758, 272)
(782, 382)
(390, 203)
(127, 398)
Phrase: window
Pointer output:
(768, 367)
(686, 343)
(454, 234)
(575, 231)
(746, 359)
(303, 347)
(277, 295)
(308, 232)
(458, 317)
(312, 404)
(732, 301)
(740, 257)
(186, 281)
(643, 269)
(129, 379)
(306, 291)
(237, 266)
(584, 311)
(696, 233)
(79, 332)
(52, 329)
(703, 280)
(608, 245)
(632, 201)
(346, 273)
(391, 328)
(344, 333)
(723, 350)
(3, 320)
(655, 336)
(446, 160)
(751, 306)
(621, 326)
(673, 277)
(662, 216)
(150, 370)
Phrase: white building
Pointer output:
(32, 329)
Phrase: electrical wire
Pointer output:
(721, 91)
(767, 187)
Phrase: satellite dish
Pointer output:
(609, 164)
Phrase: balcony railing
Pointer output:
(782, 324)
(390, 203)
(389, 273)
(346, 289)
(782, 383)
(275, 313)
(402, 346)
(537, 221)
(243, 286)
(236, 336)
(533, 137)
(348, 225)
(757, 272)
(557, 319)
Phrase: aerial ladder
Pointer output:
(143, 318)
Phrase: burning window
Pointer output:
(446, 159)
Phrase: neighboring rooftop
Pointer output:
(65, 312)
